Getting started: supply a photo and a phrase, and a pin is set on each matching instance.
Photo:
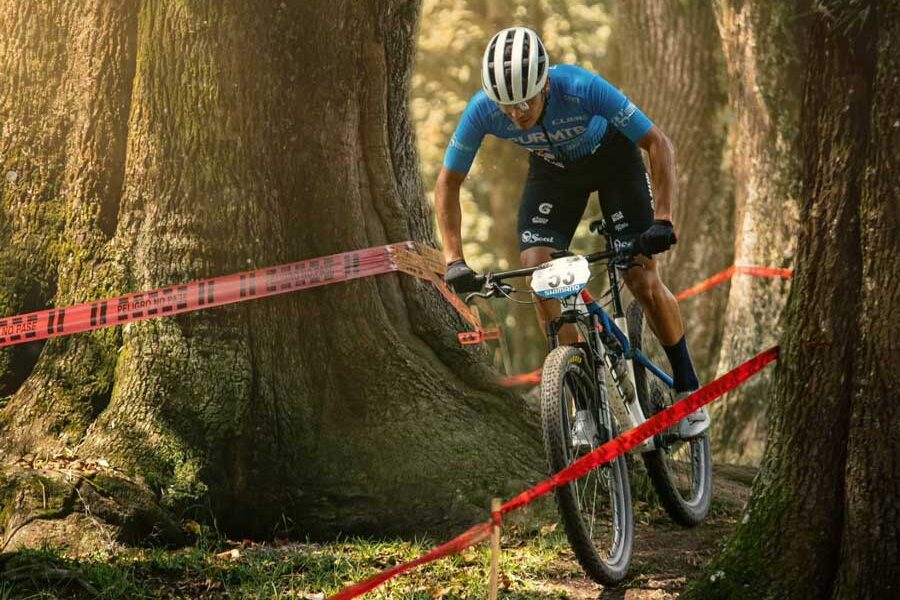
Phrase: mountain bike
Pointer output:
(578, 415)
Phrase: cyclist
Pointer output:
(583, 135)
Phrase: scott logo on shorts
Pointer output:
(545, 207)
(529, 238)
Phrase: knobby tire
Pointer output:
(667, 473)
(565, 368)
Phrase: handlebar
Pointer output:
(625, 251)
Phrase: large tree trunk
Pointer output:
(762, 56)
(822, 521)
(669, 62)
(201, 140)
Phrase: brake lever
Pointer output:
(495, 290)
(477, 295)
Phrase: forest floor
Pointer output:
(536, 563)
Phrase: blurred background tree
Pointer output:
(667, 56)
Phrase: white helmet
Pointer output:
(514, 67)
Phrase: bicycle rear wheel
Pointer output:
(595, 510)
(680, 470)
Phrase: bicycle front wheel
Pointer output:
(680, 470)
(596, 509)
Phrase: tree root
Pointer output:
(81, 512)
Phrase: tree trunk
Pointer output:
(209, 139)
(762, 56)
(822, 521)
(669, 62)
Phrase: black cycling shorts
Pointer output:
(554, 198)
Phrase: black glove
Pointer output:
(461, 278)
(658, 238)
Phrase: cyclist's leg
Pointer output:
(548, 216)
(626, 200)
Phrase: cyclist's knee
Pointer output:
(644, 284)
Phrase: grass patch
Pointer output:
(290, 570)
(537, 563)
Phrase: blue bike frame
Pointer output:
(628, 351)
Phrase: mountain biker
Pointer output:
(583, 135)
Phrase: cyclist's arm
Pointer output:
(457, 161)
(449, 213)
(662, 170)
(607, 101)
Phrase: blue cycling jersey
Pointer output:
(580, 107)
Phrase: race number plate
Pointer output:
(561, 277)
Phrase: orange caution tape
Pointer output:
(532, 378)
(730, 272)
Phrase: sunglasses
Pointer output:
(520, 106)
(523, 106)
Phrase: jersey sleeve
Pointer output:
(466, 139)
(606, 100)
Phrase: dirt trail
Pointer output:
(666, 555)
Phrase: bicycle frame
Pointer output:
(616, 344)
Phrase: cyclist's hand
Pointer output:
(658, 238)
(461, 278)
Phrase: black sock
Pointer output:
(682, 367)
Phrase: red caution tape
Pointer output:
(196, 295)
(473, 536)
(532, 378)
(605, 453)
(468, 338)
(772, 272)
(730, 272)
(652, 426)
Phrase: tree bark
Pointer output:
(669, 61)
(213, 138)
(822, 521)
(761, 42)
(870, 536)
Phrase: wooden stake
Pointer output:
(495, 552)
